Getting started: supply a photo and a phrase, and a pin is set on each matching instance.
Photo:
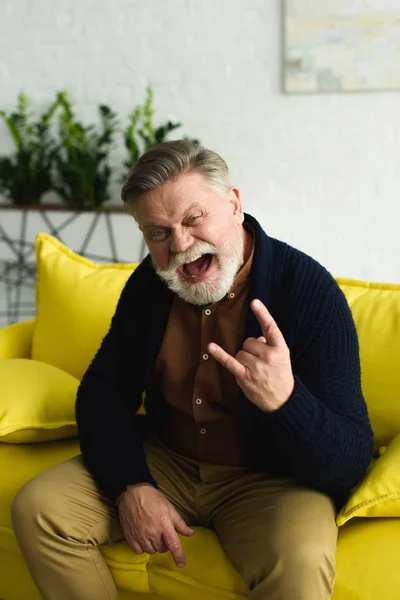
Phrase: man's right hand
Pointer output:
(150, 522)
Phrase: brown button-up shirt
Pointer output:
(202, 397)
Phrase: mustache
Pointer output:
(190, 255)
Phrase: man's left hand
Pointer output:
(262, 368)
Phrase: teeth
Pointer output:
(194, 259)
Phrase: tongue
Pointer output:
(198, 266)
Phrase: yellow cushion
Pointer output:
(75, 300)
(16, 340)
(378, 494)
(376, 312)
(37, 402)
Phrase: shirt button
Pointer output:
(199, 401)
(207, 312)
(205, 356)
(231, 295)
(203, 431)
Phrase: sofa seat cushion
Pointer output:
(367, 566)
(208, 572)
(367, 560)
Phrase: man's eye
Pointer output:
(159, 234)
(193, 219)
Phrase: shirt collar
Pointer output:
(242, 278)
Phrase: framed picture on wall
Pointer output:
(338, 45)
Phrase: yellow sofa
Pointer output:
(41, 362)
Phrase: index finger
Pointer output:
(226, 360)
(174, 545)
(270, 329)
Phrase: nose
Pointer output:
(181, 240)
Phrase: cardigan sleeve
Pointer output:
(109, 396)
(324, 426)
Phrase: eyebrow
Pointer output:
(148, 224)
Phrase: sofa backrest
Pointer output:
(376, 311)
(76, 299)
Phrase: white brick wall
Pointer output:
(319, 171)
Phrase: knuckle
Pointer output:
(167, 534)
(249, 343)
(132, 541)
(258, 368)
(228, 362)
(135, 544)
(145, 533)
(141, 542)
(180, 523)
(165, 520)
(174, 546)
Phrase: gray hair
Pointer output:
(169, 160)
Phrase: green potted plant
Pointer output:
(26, 175)
(59, 153)
(81, 159)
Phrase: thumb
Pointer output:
(181, 526)
(262, 339)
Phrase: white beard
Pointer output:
(215, 287)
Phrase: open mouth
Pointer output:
(198, 269)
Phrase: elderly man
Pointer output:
(255, 421)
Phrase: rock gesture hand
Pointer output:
(262, 367)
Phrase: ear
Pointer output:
(236, 205)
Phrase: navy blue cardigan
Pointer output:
(321, 436)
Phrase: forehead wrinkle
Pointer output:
(171, 201)
(153, 223)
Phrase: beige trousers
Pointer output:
(280, 536)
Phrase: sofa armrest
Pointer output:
(16, 340)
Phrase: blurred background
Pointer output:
(302, 101)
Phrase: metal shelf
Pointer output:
(19, 273)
